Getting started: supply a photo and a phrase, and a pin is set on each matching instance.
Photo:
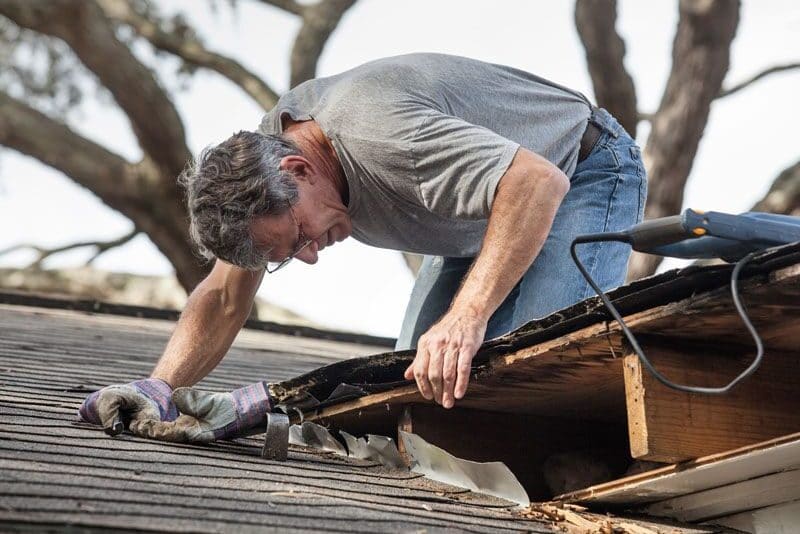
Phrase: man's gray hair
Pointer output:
(231, 184)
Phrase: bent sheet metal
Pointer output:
(492, 478)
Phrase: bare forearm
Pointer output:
(202, 337)
(214, 314)
(525, 205)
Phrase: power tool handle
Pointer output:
(650, 234)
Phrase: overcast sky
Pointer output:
(750, 137)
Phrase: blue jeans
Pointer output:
(607, 193)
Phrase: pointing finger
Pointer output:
(435, 372)
(421, 372)
(449, 378)
(465, 355)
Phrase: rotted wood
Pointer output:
(666, 425)
(580, 374)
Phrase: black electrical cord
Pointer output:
(737, 302)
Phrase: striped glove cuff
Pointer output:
(252, 404)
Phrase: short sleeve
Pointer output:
(458, 166)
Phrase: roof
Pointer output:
(57, 472)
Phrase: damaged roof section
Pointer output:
(56, 473)
(379, 373)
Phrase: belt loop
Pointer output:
(605, 121)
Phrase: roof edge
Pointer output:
(64, 302)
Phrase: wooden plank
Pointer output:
(770, 303)
(404, 394)
(778, 519)
(666, 425)
(712, 471)
(705, 505)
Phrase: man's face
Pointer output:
(319, 215)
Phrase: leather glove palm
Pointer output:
(142, 400)
(211, 416)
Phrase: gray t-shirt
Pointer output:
(425, 138)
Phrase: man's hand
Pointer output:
(514, 236)
(210, 416)
(142, 400)
(444, 357)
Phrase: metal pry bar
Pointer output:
(276, 437)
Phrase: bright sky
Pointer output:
(750, 137)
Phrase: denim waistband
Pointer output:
(605, 121)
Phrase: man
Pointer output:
(486, 170)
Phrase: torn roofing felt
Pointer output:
(356, 377)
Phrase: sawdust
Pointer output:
(574, 519)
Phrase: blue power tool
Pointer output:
(695, 234)
(700, 235)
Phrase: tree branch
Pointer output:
(84, 27)
(605, 53)
(754, 79)
(287, 5)
(55, 144)
(319, 21)
(44, 253)
(133, 190)
(191, 51)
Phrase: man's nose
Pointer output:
(309, 254)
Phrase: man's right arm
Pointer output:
(215, 312)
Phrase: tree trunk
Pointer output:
(784, 194)
(605, 51)
(700, 59)
(319, 21)
(147, 192)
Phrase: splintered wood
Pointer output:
(574, 519)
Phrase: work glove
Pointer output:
(142, 400)
(209, 416)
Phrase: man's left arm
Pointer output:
(525, 204)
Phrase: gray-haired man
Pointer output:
(487, 170)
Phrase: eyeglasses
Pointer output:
(302, 242)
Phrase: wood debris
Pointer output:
(568, 518)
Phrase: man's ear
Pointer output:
(298, 166)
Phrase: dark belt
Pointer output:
(589, 139)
